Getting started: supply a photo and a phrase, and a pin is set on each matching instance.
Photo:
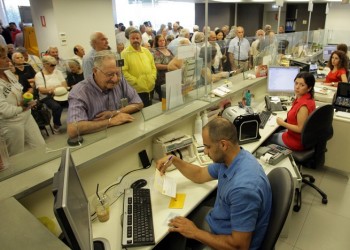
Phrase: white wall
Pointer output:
(337, 23)
(77, 19)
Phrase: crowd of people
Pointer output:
(104, 87)
(144, 56)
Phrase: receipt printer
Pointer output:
(176, 143)
(247, 123)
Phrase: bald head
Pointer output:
(99, 41)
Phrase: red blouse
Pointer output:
(335, 76)
(290, 138)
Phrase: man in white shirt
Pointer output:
(239, 51)
(254, 49)
(148, 35)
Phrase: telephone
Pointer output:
(273, 106)
(272, 153)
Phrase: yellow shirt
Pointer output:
(139, 69)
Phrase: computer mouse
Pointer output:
(284, 108)
(139, 184)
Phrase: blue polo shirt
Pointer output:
(243, 201)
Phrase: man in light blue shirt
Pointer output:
(98, 42)
(239, 51)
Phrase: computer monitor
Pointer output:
(280, 80)
(327, 51)
(342, 97)
(71, 206)
(304, 67)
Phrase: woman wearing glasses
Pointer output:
(17, 125)
(47, 81)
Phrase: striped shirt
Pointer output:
(86, 99)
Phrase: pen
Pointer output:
(169, 159)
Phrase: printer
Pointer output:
(246, 122)
(176, 143)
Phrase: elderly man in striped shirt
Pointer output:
(102, 100)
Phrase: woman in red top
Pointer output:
(338, 64)
(302, 107)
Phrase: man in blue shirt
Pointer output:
(239, 51)
(241, 212)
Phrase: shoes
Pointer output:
(56, 129)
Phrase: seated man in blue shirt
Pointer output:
(241, 212)
(102, 100)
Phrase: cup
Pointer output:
(27, 97)
(101, 205)
(4, 156)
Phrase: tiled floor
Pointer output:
(319, 226)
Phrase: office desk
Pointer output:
(195, 194)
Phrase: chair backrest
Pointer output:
(318, 127)
(282, 187)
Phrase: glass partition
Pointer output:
(189, 75)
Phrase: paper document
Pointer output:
(164, 184)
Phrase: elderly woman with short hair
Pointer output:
(47, 80)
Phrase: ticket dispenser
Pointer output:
(247, 123)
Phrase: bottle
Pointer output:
(248, 97)
(198, 125)
(204, 118)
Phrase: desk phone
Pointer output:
(272, 153)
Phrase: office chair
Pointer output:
(282, 187)
(314, 136)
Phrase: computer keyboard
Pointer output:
(137, 218)
(264, 117)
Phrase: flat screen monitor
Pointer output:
(303, 67)
(280, 80)
(71, 206)
(342, 97)
(327, 51)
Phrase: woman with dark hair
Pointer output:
(162, 57)
(302, 107)
(338, 63)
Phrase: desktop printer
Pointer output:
(247, 123)
(176, 143)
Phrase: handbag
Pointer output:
(41, 114)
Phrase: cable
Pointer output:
(116, 184)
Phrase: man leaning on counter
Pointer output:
(102, 100)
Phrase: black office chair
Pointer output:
(317, 131)
(282, 46)
(282, 187)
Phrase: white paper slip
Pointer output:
(164, 184)
(342, 114)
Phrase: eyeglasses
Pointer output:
(109, 75)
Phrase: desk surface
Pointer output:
(195, 194)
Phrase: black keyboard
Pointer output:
(264, 117)
(137, 221)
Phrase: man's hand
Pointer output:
(183, 226)
(120, 119)
(163, 163)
